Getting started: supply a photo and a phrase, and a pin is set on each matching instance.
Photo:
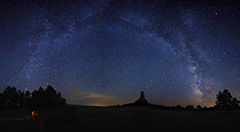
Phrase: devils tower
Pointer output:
(141, 101)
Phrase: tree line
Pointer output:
(12, 98)
(225, 101)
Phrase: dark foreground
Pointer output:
(96, 119)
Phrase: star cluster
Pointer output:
(105, 52)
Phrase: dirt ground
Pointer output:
(98, 119)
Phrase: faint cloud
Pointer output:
(79, 96)
(101, 96)
(99, 105)
(93, 95)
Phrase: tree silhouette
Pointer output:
(1, 101)
(189, 107)
(47, 97)
(20, 100)
(179, 107)
(223, 99)
(12, 98)
(199, 107)
(53, 97)
(234, 103)
(226, 101)
(27, 99)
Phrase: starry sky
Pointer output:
(105, 52)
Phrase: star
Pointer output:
(106, 52)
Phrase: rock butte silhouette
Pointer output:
(141, 102)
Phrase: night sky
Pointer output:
(106, 52)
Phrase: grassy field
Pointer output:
(97, 119)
